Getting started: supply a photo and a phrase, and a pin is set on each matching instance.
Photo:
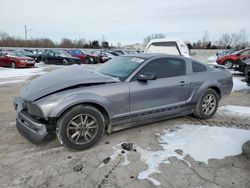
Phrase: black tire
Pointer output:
(199, 111)
(46, 61)
(68, 122)
(65, 62)
(13, 65)
(88, 61)
(228, 64)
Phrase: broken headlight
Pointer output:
(34, 110)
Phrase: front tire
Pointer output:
(229, 64)
(207, 105)
(81, 127)
(13, 65)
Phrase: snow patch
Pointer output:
(8, 75)
(212, 58)
(200, 142)
(235, 110)
(239, 85)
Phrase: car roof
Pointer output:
(153, 55)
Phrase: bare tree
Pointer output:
(226, 39)
(234, 39)
(153, 36)
(205, 38)
(242, 37)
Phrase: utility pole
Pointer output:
(26, 30)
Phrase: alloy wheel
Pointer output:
(228, 64)
(209, 104)
(82, 129)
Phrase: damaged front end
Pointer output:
(30, 127)
(40, 102)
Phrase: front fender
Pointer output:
(54, 108)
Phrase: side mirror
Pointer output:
(146, 76)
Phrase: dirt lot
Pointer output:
(51, 165)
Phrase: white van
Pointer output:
(168, 46)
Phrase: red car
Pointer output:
(77, 53)
(15, 60)
(231, 59)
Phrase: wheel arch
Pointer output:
(99, 107)
(228, 59)
(217, 90)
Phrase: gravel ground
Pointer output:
(51, 165)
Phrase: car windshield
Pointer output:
(63, 54)
(120, 67)
(17, 54)
(26, 52)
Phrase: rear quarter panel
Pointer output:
(201, 81)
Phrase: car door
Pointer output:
(166, 93)
(52, 57)
(4, 60)
(1, 59)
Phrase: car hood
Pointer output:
(64, 78)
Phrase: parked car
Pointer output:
(226, 52)
(15, 59)
(105, 56)
(113, 53)
(170, 46)
(91, 58)
(59, 57)
(30, 54)
(232, 59)
(247, 70)
(77, 53)
(80, 104)
(120, 52)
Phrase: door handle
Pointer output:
(183, 83)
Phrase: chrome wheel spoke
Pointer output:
(75, 134)
(77, 138)
(88, 134)
(85, 137)
(85, 119)
(72, 128)
(75, 124)
(91, 123)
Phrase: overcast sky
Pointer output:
(126, 21)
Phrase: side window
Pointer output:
(166, 67)
(245, 52)
(197, 67)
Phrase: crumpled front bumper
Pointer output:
(30, 128)
(27, 125)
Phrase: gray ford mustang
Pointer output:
(80, 104)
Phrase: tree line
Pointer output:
(226, 40)
(9, 41)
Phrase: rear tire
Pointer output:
(80, 127)
(207, 105)
(13, 65)
(65, 62)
